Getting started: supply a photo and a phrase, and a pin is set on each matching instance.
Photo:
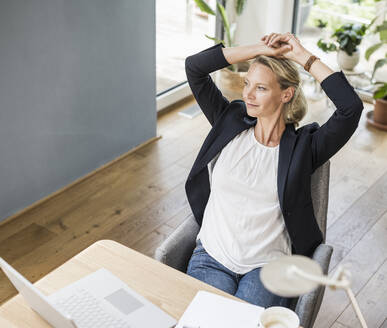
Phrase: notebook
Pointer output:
(209, 310)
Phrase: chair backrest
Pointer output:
(320, 194)
(307, 306)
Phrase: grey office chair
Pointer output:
(177, 249)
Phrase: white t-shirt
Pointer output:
(243, 227)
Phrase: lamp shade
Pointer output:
(280, 278)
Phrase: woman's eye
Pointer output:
(262, 88)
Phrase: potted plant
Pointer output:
(348, 37)
(378, 117)
(230, 78)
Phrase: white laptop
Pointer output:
(98, 300)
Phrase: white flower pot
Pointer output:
(348, 62)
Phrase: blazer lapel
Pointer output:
(221, 135)
(287, 143)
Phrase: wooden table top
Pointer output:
(169, 289)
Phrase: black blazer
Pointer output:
(301, 151)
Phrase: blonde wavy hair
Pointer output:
(287, 75)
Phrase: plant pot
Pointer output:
(380, 111)
(347, 62)
(231, 83)
(378, 117)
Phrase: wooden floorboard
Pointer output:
(369, 296)
(363, 260)
(140, 199)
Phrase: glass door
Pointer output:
(180, 31)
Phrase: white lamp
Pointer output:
(291, 276)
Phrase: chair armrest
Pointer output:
(309, 304)
(177, 249)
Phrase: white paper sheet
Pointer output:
(208, 310)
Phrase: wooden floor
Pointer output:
(140, 199)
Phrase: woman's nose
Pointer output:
(250, 94)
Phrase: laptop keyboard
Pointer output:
(87, 311)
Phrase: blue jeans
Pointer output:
(247, 286)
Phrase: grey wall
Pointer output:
(77, 89)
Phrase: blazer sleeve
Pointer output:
(208, 96)
(332, 135)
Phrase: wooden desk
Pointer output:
(164, 286)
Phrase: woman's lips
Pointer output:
(252, 105)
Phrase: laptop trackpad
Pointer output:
(123, 301)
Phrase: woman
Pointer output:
(257, 205)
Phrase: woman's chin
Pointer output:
(253, 113)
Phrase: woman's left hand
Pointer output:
(296, 53)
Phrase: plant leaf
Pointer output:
(222, 12)
(203, 6)
(343, 43)
(372, 22)
(379, 63)
(381, 92)
(239, 5)
(372, 49)
(226, 24)
(382, 26)
(324, 46)
(320, 23)
(214, 39)
(383, 36)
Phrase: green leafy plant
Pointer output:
(320, 23)
(347, 38)
(381, 29)
(381, 92)
(326, 46)
(229, 28)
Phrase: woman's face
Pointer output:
(262, 93)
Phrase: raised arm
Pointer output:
(339, 128)
(333, 134)
(206, 93)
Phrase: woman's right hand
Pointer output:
(278, 51)
(297, 52)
